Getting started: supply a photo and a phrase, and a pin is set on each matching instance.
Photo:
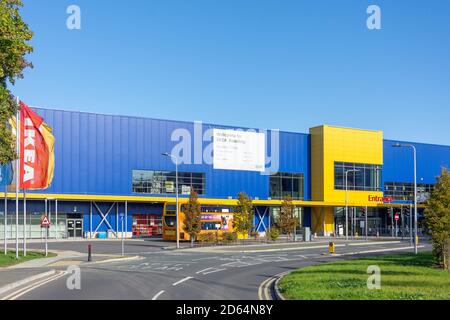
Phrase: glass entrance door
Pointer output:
(74, 228)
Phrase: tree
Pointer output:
(287, 221)
(437, 219)
(192, 217)
(14, 35)
(243, 215)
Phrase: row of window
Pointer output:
(287, 184)
(163, 182)
(357, 176)
(405, 191)
(364, 177)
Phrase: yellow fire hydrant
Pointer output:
(331, 247)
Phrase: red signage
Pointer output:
(397, 217)
(45, 222)
(380, 199)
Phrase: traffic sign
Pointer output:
(45, 222)
(397, 217)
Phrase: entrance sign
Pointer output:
(239, 150)
(45, 222)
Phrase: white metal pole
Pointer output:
(46, 210)
(117, 220)
(24, 222)
(56, 219)
(5, 235)
(17, 175)
(126, 217)
(410, 225)
(367, 222)
(346, 205)
(122, 240)
(176, 187)
(415, 199)
(46, 245)
(90, 220)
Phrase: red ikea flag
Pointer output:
(34, 151)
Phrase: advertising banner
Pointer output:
(239, 150)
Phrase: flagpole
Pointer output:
(17, 175)
(24, 222)
(6, 219)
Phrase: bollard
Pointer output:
(331, 247)
(89, 252)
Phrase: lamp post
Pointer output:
(346, 200)
(166, 154)
(398, 145)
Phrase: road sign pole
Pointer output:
(5, 234)
(123, 246)
(46, 244)
(410, 225)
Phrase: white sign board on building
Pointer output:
(239, 150)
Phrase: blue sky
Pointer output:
(276, 64)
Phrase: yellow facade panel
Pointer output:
(330, 144)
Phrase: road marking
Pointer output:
(207, 258)
(378, 250)
(265, 289)
(22, 291)
(181, 281)
(216, 270)
(203, 270)
(158, 294)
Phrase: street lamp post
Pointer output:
(346, 200)
(166, 154)
(398, 145)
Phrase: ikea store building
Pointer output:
(110, 169)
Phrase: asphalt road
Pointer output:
(196, 275)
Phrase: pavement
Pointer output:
(230, 273)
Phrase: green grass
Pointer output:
(403, 277)
(10, 258)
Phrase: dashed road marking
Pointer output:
(181, 281)
(215, 270)
(158, 294)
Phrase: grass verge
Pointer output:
(403, 277)
(10, 258)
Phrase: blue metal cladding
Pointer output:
(399, 162)
(96, 153)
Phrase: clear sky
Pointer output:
(276, 64)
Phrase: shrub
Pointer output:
(273, 234)
(229, 236)
(254, 234)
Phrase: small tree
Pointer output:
(192, 217)
(243, 215)
(287, 221)
(437, 219)
(14, 37)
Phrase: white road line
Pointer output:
(204, 270)
(22, 291)
(379, 250)
(158, 294)
(181, 281)
(216, 270)
(207, 258)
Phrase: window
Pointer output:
(163, 182)
(286, 184)
(405, 191)
(363, 177)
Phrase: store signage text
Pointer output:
(380, 199)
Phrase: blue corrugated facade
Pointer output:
(95, 154)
